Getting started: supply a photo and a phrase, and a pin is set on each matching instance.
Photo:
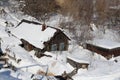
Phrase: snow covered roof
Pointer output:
(32, 32)
(78, 60)
(105, 43)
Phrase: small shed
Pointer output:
(40, 37)
(106, 48)
(77, 63)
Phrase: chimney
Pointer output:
(43, 27)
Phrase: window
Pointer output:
(0, 50)
(61, 46)
(54, 47)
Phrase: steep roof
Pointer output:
(32, 32)
(108, 44)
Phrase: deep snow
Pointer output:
(99, 68)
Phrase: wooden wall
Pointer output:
(57, 39)
(27, 45)
(115, 51)
(103, 51)
(77, 65)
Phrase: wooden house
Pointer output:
(39, 37)
(77, 63)
(106, 48)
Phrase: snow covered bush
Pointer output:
(104, 33)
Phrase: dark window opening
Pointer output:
(62, 46)
(22, 45)
(54, 47)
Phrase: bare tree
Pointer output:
(39, 8)
(81, 10)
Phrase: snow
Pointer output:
(11, 15)
(2, 32)
(79, 54)
(77, 60)
(57, 64)
(2, 22)
(27, 62)
(93, 26)
(111, 35)
(102, 32)
(108, 44)
(9, 41)
(34, 34)
(57, 19)
(6, 75)
(98, 69)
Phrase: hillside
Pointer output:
(25, 65)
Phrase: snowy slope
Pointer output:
(56, 64)
(6, 75)
(99, 68)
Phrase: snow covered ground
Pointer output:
(99, 68)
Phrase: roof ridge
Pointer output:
(27, 21)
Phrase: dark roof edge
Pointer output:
(102, 47)
(59, 30)
(27, 21)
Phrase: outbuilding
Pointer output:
(106, 48)
(77, 63)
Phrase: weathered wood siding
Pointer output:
(103, 51)
(115, 51)
(57, 39)
(77, 65)
(27, 45)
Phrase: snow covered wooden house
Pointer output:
(77, 63)
(104, 47)
(39, 37)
